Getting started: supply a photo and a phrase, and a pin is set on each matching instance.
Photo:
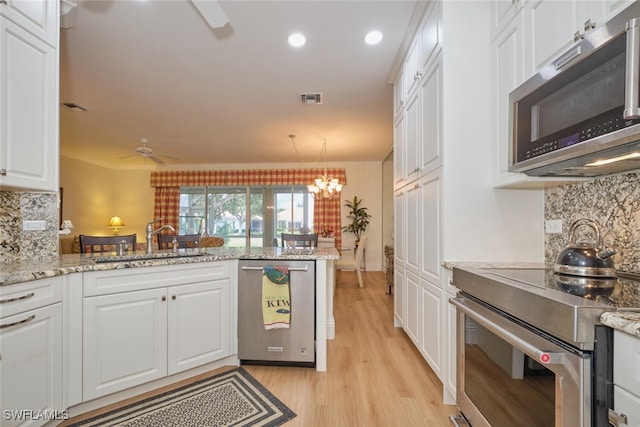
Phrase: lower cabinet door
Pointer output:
(627, 404)
(198, 328)
(124, 341)
(31, 367)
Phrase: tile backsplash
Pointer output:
(19, 245)
(614, 202)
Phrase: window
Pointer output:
(246, 216)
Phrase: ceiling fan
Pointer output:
(147, 153)
(212, 12)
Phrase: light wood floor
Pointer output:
(375, 375)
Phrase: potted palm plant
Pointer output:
(359, 218)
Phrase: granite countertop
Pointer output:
(66, 264)
(622, 320)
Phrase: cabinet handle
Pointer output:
(164, 298)
(27, 296)
(631, 100)
(3, 1)
(616, 419)
(417, 76)
(588, 25)
(577, 36)
(416, 186)
(19, 322)
(3, 172)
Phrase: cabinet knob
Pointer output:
(578, 36)
(173, 297)
(3, 172)
(164, 298)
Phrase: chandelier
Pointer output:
(325, 186)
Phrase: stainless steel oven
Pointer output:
(531, 351)
(512, 376)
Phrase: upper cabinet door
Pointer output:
(39, 17)
(502, 12)
(430, 36)
(555, 25)
(28, 110)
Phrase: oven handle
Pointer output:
(544, 357)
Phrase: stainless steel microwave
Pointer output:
(580, 114)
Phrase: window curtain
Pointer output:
(326, 212)
(167, 205)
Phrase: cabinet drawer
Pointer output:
(626, 362)
(136, 279)
(25, 296)
(627, 404)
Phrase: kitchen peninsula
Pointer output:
(174, 314)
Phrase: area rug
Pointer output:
(232, 398)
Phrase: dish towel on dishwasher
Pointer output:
(276, 298)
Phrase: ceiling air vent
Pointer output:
(311, 98)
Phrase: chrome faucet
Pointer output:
(151, 233)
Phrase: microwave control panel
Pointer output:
(605, 123)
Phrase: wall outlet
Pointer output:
(34, 225)
(553, 226)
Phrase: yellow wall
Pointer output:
(92, 194)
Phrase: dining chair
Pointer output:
(165, 241)
(211, 242)
(97, 244)
(354, 263)
(298, 241)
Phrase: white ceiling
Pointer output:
(154, 69)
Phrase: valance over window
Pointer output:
(326, 212)
(241, 177)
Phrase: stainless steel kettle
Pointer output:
(585, 259)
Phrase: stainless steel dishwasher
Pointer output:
(294, 345)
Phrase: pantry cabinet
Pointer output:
(29, 101)
(31, 363)
(148, 323)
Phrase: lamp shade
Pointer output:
(115, 222)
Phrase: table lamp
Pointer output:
(115, 222)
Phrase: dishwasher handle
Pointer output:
(244, 267)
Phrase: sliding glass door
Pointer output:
(246, 216)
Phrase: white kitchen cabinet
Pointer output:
(431, 327)
(399, 297)
(28, 109)
(190, 307)
(31, 365)
(411, 70)
(502, 12)
(124, 341)
(508, 72)
(143, 324)
(400, 230)
(412, 141)
(449, 354)
(398, 96)
(626, 377)
(429, 155)
(39, 17)
(413, 315)
(399, 143)
(555, 25)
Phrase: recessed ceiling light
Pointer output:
(297, 40)
(373, 37)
